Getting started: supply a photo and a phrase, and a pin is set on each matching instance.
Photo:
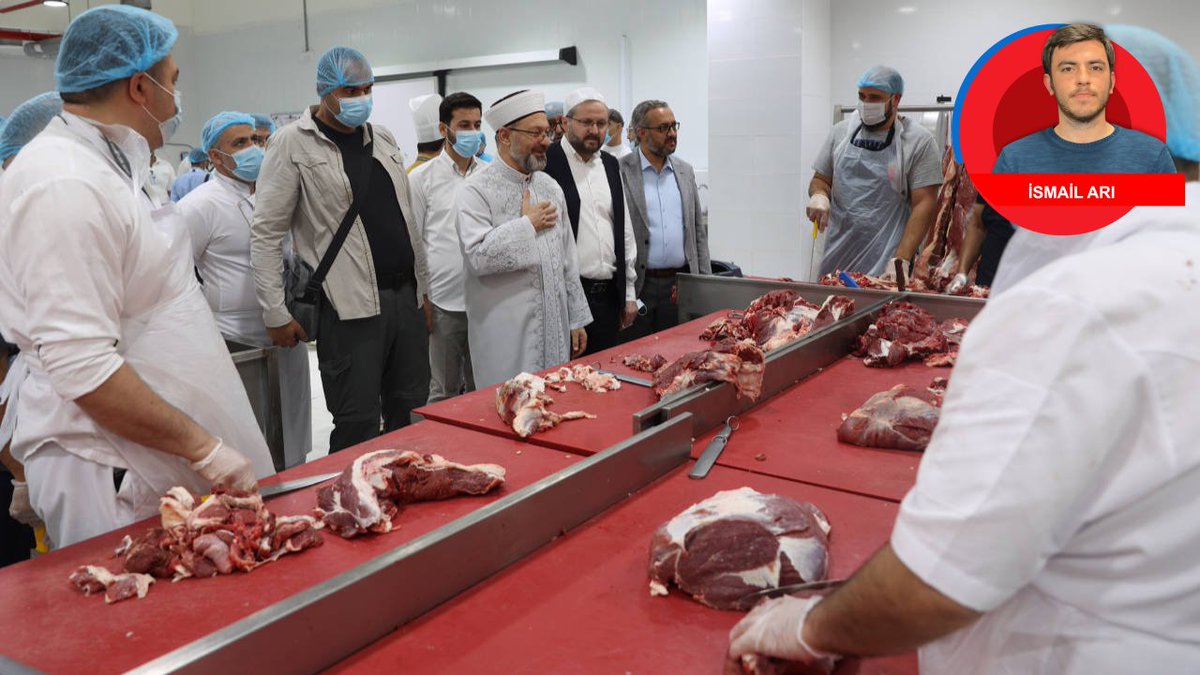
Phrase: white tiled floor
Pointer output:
(322, 421)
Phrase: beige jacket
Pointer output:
(303, 188)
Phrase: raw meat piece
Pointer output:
(945, 360)
(897, 418)
(902, 331)
(645, 365)
(937, 390)
(117, 587)
(756, 664)
(521, 402)
(737, 542)
(370, 492)
(778, 318)
(584, 375)
(738, 362)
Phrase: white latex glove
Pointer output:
(227, 467)
(818, 210)
(958, 283)
(773, 629)
(889, 271)
(19, 508)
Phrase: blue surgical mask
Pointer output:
(169, 126)
(355, 110)
(607, 138)
(467, 143)
(247, 161)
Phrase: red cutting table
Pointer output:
(54, 628)
(796, 430)
(614, 409)
(582, 605)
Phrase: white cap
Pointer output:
(515, 107)
(582, 95)
(425, 117)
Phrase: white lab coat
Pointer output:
(522, 287)
(158, 182)
(91, 280)
(218, 215)
(1028, 252)
(1057, 494)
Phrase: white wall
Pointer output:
(259, 64)
(22, 78)
(934, 46)
(769, 111)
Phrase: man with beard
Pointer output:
(875, 183)
(665, 210)
(525, 305)
(599, 217)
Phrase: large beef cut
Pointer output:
(902, 331)
(899, 418)
(371, 491)
(521, 402)
(227, 532)
(778, 318)
(737, 542)
(739, 362)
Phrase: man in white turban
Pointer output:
(525, 305)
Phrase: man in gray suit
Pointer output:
(665, 210)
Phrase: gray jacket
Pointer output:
(695, 233)
(303, 188)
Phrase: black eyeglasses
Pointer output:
(589, 124)
(548, 133)
(664, 128)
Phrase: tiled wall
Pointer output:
(769, 111)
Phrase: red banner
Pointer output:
(1087, 190)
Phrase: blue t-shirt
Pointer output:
(1122, 151)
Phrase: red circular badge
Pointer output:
(1004, 99)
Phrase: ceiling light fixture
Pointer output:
(55, 3)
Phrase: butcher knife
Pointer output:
(900, 280)
(298, 484)
(795, 588)
(627, 378)
(713, 451)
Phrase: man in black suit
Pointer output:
(591, 183)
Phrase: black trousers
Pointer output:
(661, 311)
(606, 302)
(375, 368)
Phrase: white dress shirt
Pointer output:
(617, 151)
(434, 186)
(1058, 491)
(597, 252)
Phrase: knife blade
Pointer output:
(627, 378)
(795, 588)
(900, 280)
(297, 484)
(714, 449)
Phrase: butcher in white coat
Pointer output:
(525, 304)
(218, 215)
(130, 389)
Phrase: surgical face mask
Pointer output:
(247, 162)
(872, 113)
(467, 143)
(354, 110)
(607, 138)
(169, 126)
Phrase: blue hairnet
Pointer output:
(111, 43)
(27, 121)
(216, 126)
(263, 122)
(883, 79)
(554, 109)
(342, 67)
(1177, 78)
(197, 155)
